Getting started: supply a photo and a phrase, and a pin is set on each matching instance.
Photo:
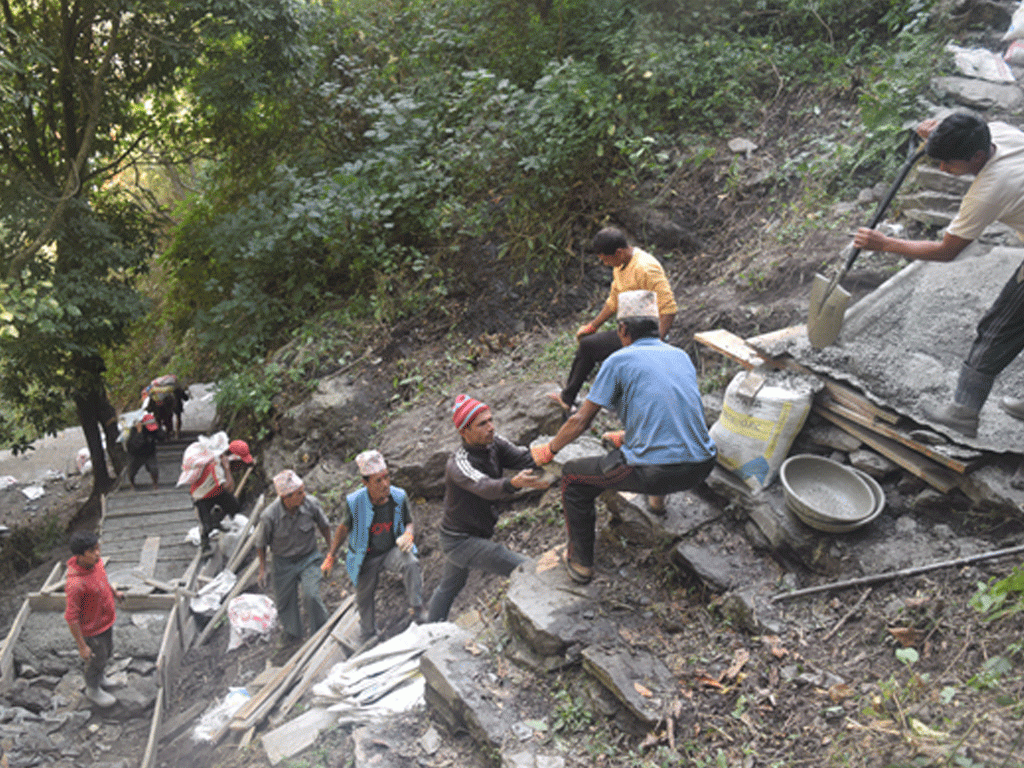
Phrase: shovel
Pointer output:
(828, 299)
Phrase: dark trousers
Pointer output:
(462, 552)
(592, 350)
(1000, 335)
(583, 480)
(102, 647)
(137, 462)
(214, 509)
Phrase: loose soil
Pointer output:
(905, 673)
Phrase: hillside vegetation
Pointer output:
(414, 157)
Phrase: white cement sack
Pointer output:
(214, 719)
(251, 616)
(754, 435)
(212, 595)
(1016, 30)
(199, 454)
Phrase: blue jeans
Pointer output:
(463, 552)
(291, 574)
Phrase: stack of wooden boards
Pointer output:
(921, 452)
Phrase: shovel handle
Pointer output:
(884, 205)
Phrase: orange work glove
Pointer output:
(615, 438)
(542, 454)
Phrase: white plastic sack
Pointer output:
(754, 435)
(199, 454)
(216, 718)
(83, 461)
(1016, 30)
(251, 616)
(212, 595)
(8, 481)
(981, 63)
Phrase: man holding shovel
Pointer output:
(993, 153)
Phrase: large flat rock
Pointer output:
(633, 519)
(550, 612)
(638, 679)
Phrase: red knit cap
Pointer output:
(465, 409)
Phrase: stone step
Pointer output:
(930, 177)
(929, 199)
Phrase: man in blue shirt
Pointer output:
(665, 447)
(379, 529)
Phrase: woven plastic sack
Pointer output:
(199, 454)
(1016, 30)
(754, 434)
(251, 616)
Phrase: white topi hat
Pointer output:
(637, 304)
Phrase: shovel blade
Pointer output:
(825, 317)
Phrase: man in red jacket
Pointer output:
(90, 613)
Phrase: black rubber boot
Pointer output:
(972, 390)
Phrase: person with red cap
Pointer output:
(213, 489)
(141, 447)
(473, 481)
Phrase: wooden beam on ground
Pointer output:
(732, 346)
(855, 401)
(248, 536)
(258, 707)
(937, 476)
(890, 432)
(169, 588)
(7, 651)
(56, 602)
(331, 651)
(149, 756)
(762, 342)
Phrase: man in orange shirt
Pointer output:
(632, 270)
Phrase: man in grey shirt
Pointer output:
(288, 526)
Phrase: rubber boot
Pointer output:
(99, 697)
(972, 390)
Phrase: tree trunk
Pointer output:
(95, 413)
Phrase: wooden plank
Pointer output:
(245, 541)
(148, 556)
(330, 653)
(257, 708)
(856, 401)
(894, 434)
(762, 342)
(170, 588)
(55, 602)
(732, 346)
(7, 652)
(149, 756)
(938, 477)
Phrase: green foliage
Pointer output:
(1002, 598)
(247, 397)
(572, 713)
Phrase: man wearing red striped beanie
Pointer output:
(473, 481)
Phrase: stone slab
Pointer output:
(549, 611)
(684, 512)
(639, 680)
(461, 689)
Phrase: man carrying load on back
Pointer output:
(993, 153)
